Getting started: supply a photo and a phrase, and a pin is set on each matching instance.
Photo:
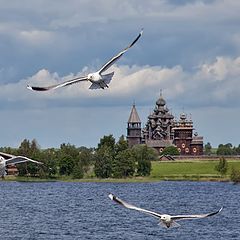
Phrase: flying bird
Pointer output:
(8, 159)
(166, 220)
(98, 79)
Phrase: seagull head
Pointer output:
(90, 76)
(94, 76)
(1, 159)
(166, 218)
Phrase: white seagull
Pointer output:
(166, 220)
(98, 79)
(8, 159)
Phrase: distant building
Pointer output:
(134, 128)
(162, 130)
(12, 170)
(187, 142)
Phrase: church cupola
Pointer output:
(161, 102)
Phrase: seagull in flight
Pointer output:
(166, 220)
(98, 79)
(8, 159)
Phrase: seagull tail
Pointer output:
(175, 224)
(162, 224)
(168, 225)
(108, 77)
(103, 83)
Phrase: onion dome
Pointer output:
(161, 101)
(183, 116)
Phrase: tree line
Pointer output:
(109, 159)
(222, 149)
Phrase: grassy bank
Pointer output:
(195, 170)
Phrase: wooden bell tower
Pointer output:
(134, 128)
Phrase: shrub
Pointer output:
(171, 150)
(235, 175)
(222, 166)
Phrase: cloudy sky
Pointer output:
(190, 49)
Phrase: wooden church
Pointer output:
(162, 130)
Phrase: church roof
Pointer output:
(197, 140)
(134, 118)
(161, 101)
(159, 143)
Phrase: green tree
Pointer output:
(237, 150)
(68, 156)
(66, 164)
(171, 150)
(22, 169)
(9, 150)
(235, 175)
(25, 148)
(82, 165)
(207, 148)
(35, 153)
(78, 171)
(124, 164)
(34, 147)
(107, 141)
(225, 149)
(143, 156)
(121, 145)
(222, 166)
(144, 168)
(49, 158)
(68, 149)
(86, 158)
(32, 168)
(103, 162)
(31, 150)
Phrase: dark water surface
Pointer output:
(60, 210)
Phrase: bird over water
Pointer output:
(166, 220)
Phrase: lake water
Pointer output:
(69, 211)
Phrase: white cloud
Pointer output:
(211, 84)
(222, 68)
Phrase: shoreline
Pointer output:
(120, 180)
(182, 170)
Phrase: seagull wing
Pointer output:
(130, 206)
(6, 155)
(20, 159)
(115, 58)
(66, 83)
(182, 217)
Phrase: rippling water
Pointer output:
(60, 210)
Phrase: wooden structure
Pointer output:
(12, 170)
(134, 128)
(162, 130)
(186, 142)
